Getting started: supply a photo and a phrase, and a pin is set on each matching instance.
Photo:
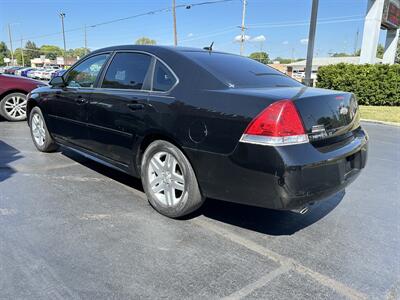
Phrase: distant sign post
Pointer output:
(381, 14)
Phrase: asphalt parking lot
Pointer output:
(71, 228)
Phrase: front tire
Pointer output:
(40, 134)
(169, 180)
(13, 107)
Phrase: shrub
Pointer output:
(372, 84)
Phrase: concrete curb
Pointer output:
(381, 122)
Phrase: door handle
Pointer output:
(136, 106)
(81, 100)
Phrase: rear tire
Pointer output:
(13, 107)
(169, 180)
(40, 134)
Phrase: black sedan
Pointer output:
(198, 123)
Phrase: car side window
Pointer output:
(85, 74)
(127, 71)
(163, 79)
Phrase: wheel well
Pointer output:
(29, 106)
(148, 139)
(12, 91)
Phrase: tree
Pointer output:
(145, 41)
(31, 51)
(3, 53)
(340, 54)
(18, 57)
(50, 51)
(283, 60)
(262, 57)
(78, 52)
(379, 51)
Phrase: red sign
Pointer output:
(391, 15)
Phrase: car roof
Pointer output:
(152, 49)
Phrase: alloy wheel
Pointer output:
(38, 131)
(15, 107)
(166, 178)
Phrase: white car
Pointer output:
(47, 73)
(36, 74)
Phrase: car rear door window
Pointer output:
(163, 79)
(127, 71)
(85, 74)
(241, 72)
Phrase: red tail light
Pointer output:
(279, 124)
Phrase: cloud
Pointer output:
(238, 38)
(304, 41)
(190, 34)
(285, 42)
(260, 38)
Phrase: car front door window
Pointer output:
(84, 75)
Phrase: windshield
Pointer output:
(238, 71)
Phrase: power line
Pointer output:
(319, 19)
(271, 25)
(152, 12)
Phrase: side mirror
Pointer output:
(57, 81)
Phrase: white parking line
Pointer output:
(248, 289)
(282, 260)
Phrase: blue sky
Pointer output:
(284, 23)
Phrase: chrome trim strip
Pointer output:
(274, 140)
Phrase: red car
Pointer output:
(13, 91)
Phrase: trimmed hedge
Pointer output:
(372, 84)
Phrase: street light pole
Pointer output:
(22, 54)
(174, 17)
(85, 41)
(11, 45)
(311, 39)
(243, 28)
(62, 15)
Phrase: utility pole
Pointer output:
(62, 15)
(85, 41)
(11, 46)
(311, 39)
(356, 42)
(243, 28)
(174, 17)
(22, 54)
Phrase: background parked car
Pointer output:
(12, 70)
(13, 91)
(24, 72)
(59, 72)
(19, 71)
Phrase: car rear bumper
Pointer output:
(286, 177)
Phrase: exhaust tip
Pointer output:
(301, 211)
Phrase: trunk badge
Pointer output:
(343, 110)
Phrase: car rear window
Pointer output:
(239, 71)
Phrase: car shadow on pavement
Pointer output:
(267, 221)
(109, 172)
(8, 154)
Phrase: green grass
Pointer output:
(381, 113)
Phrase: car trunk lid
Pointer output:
(327, 114)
